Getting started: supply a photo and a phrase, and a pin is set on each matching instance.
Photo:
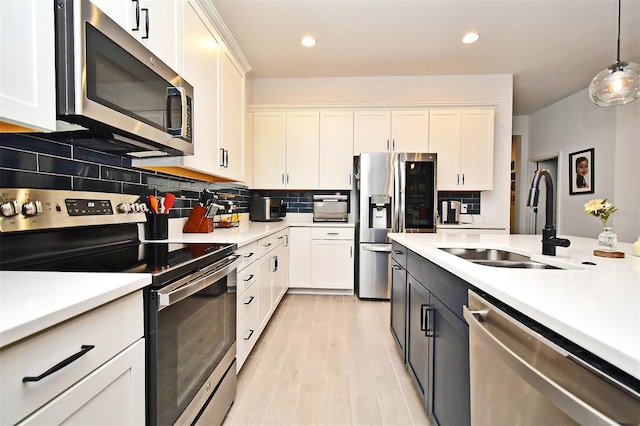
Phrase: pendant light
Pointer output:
(619, 83)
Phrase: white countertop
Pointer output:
(248, 231)
(33, 301)
(596, 307)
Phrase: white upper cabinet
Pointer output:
(397, 130)
(303, 149)
(372, 131)
(463, 140)
(286, 149)
(336, 149)
(269, 145)
(157, 24)
(410, 130)
(27, 64)
(231, 149)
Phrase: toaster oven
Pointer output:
(267, 209)
(330, 208)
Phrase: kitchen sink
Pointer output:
(497, 258)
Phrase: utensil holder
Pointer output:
(156, 227)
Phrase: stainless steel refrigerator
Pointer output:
(394, 192)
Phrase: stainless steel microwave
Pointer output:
(114, 90)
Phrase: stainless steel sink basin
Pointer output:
(497, 258)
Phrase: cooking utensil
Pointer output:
(169, 199)
(153, 204)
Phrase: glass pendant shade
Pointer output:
(617, 84)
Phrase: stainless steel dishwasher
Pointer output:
(519, 377)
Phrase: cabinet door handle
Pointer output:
(463, 179)
(422, 312)
(397, 251)
(387, 144)
(249, 336)
(393, 144)
(59, 366)
(137, 27)
(249, 278)
(397, 267)
(221, 157)
(226, 158)
(430, 322)
(458, 181)
(275, 263)
(349, 178)
(286, 240)
(287, 178)
(248, 302)
(146, 22)
(283, 178)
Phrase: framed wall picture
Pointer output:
(581, 172)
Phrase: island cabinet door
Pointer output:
(418, 351)
(450, 403)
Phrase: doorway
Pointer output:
(551, 164)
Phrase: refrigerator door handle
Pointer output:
(377, 247)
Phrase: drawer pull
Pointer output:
(248, 278)
(248, 255)
(333, 233)
(59, 366)
(249, 301)
(249, 336)
(397, 252)
(267, 245)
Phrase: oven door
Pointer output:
(192, 329)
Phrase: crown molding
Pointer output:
(375, 106)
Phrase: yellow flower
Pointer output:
(600, 208)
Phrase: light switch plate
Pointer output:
(463, 208)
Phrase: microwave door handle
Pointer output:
(176, 92)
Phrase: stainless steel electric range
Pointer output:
(190, 306)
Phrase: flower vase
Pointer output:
(607, 240)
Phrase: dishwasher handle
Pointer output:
(564, 400)
(171, 294)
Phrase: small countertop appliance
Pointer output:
(330, 208)
(450, 212)
(267, 209)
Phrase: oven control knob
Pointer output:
(9, 208)
(135, 208)
(32, 208)
(144, 208)
(124, 208)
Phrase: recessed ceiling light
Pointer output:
(470, 38)
(308, 41)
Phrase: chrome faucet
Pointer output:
(549, 240)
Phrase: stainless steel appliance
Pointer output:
(330, 208)
(190, 306)
(450, 211)
(267, 209)
(522, 374)
(395, 192)
(123, 98)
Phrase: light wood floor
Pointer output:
(327, 360)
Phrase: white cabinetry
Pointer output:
(463, 140)
(300, 257)
(397, 130)
(218, 104)
(262, 282)
(27, 64)
(336, 149)
(321, 258)
(286, 149)
(157, 24)
(105, 380)
(231, 147)
(332, 258)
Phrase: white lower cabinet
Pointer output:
(300, 257)
(111, 395)
(262, 282)
(104, 379)
(321, 258)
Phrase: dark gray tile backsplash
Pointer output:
(27, 161)
(470, 198)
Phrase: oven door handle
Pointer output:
(170, 295)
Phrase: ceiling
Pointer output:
(552, 47)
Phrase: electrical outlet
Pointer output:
(463, 208)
